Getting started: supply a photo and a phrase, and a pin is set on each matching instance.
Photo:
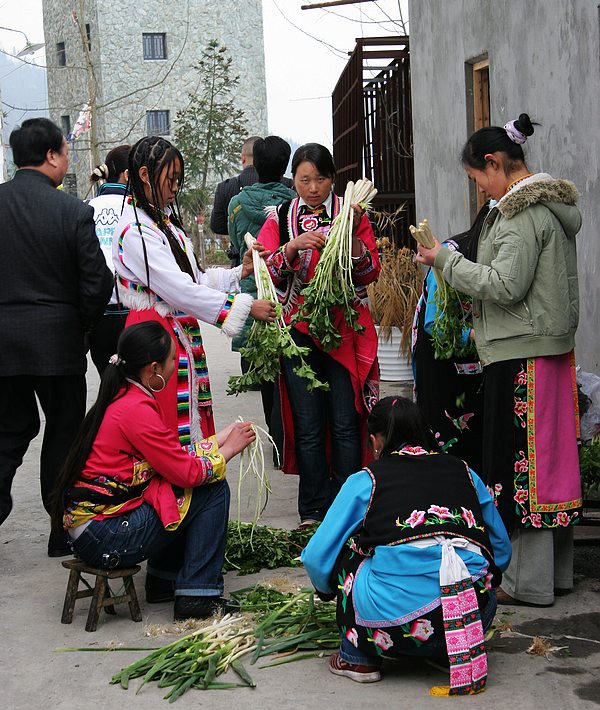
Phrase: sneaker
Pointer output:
(59, 544)
(159, 590)
(202, 607)
(354, 671)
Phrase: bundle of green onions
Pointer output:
(331, 285)
(267, 342)
(450, 321)
(278, 624)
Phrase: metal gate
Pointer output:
(372, 129)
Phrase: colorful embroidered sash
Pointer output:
(193, 386)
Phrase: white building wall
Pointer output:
(544, 59)
(128, 85)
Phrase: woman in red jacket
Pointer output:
(324, 432)
(130, 492)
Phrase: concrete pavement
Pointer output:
(33, 674)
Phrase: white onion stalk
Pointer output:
(424, 236)
(252, 467)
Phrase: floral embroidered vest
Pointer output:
(417, 494)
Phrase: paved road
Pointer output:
(33, 674)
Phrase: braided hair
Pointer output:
(156, 154)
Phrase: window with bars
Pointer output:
(155, 45)
(158, 123)
(65, 124)
(61, 54)
(69, 184)
(88, 33)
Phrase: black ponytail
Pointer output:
(495, 139)
(155, 154)
(401, 423)
(138, 346)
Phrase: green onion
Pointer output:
(267, 342)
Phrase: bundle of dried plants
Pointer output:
(394, 296)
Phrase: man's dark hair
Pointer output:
(271, 156)
(33, 139)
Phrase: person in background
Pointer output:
(107, 209)
(524, 286)
(324, 432)
(54, 284)
(448, 391)
(158, 279)
(228, 188)
(412, 547)
(130, 492)
(248, 211)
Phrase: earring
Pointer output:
(162, 379)
(377, 451)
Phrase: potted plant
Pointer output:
(393, 299)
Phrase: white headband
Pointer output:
(115, 360)
(101, 171)
(514, 133)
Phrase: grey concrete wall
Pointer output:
(128, 86)
(544, 59)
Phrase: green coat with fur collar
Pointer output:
(524, 284)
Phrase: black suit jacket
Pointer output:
(54, 282)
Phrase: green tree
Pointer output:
(211, 130)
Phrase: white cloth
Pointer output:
(452, 568)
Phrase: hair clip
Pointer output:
(115, 360)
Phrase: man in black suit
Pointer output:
(54, 283)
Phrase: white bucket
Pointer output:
(393, 366)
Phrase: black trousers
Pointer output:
(104, 336)
(62, 398)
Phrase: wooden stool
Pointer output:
(101, 594)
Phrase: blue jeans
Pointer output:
(315, 414)
(192, 555)
(435, 649)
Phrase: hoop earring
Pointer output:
(162, 379)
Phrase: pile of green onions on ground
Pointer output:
(450, 320)
(331, 285)
(294, 626)
(267, 342)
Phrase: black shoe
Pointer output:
(202, 607)
(59, 544)
(159, 590)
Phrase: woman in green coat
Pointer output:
(525, 313)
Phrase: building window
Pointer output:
(61, 54)
(158, 123)
(88, 33)
(155, 45)
(69, 184)
(65, 124)
(478, 112)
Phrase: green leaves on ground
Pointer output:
(252, 548)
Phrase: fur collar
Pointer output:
(538, 188)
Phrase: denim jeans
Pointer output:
(192, 555)
(315, 414)
(435, 649)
